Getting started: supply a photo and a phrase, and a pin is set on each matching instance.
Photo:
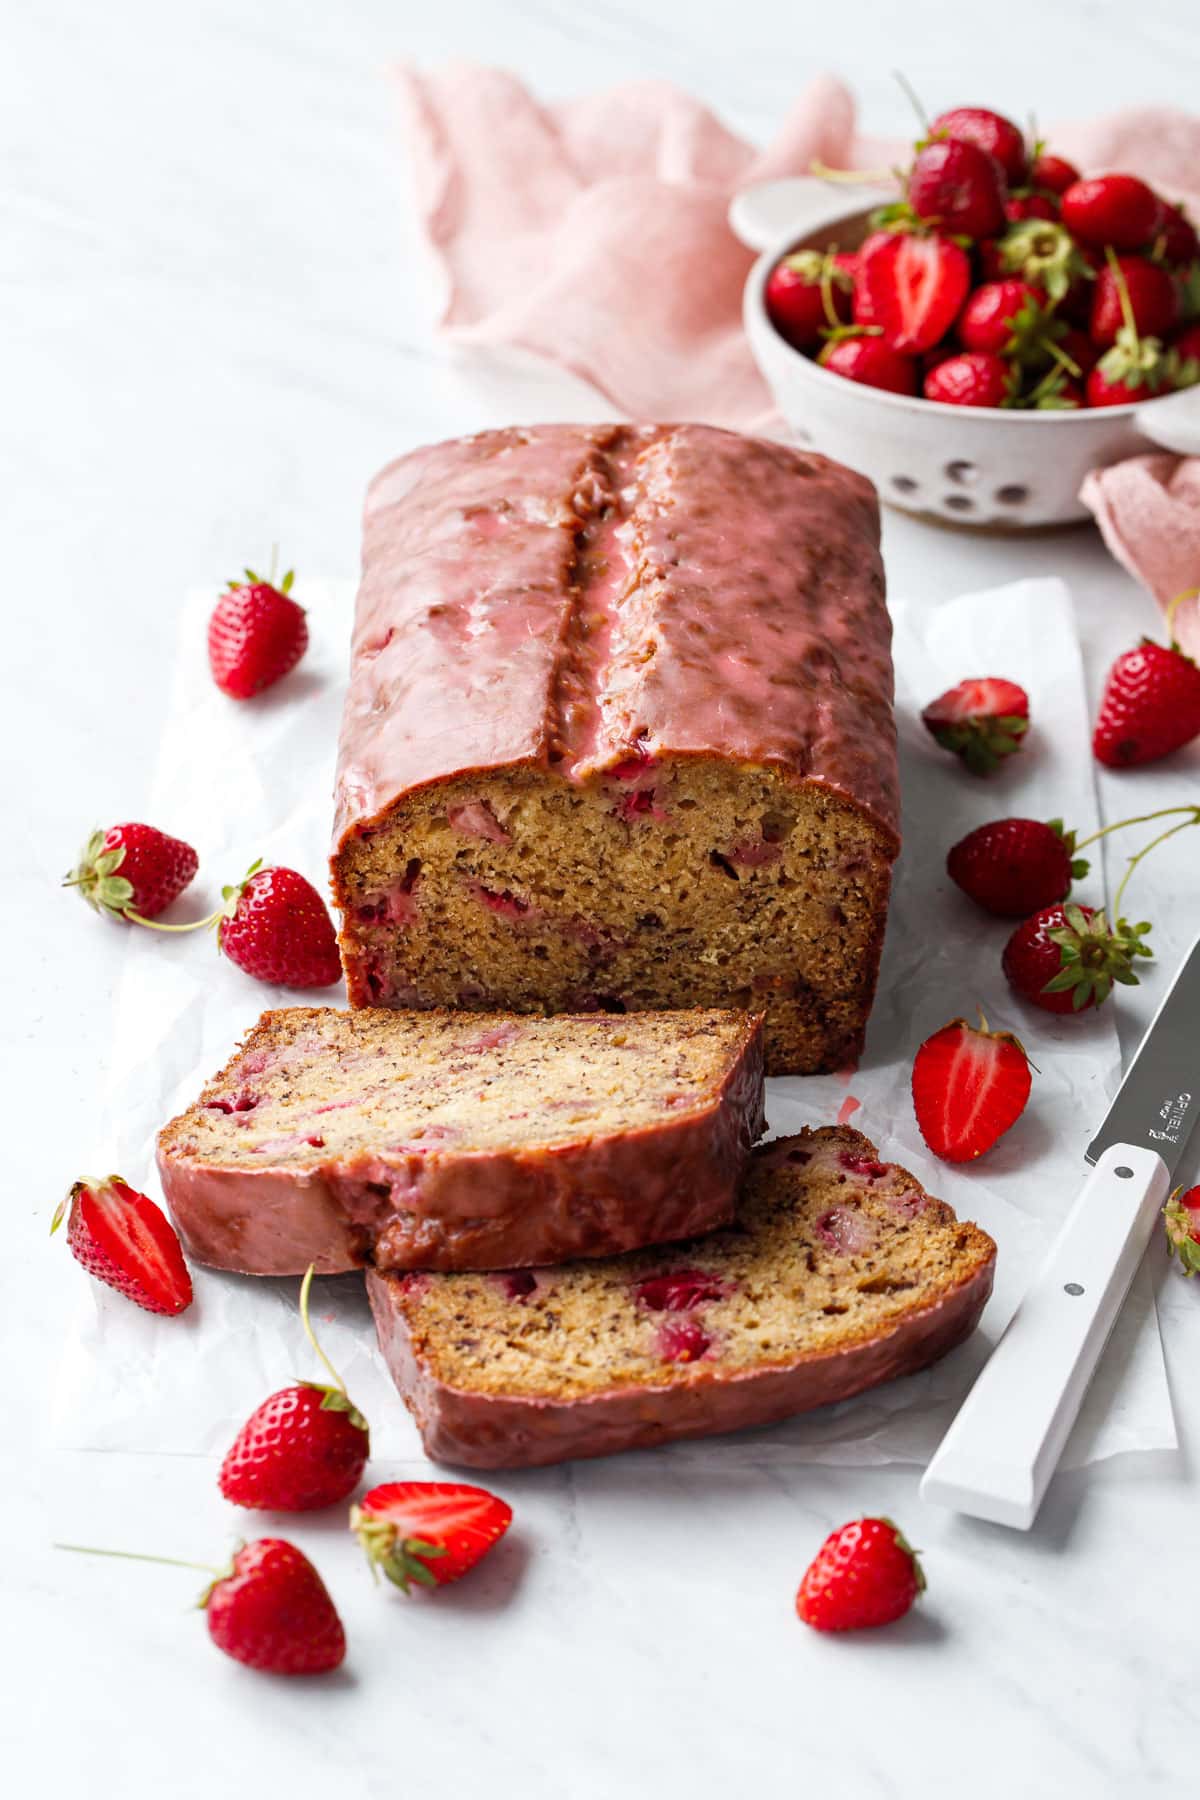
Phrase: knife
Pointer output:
(996, 1460)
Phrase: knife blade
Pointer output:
(1158, 1102)
(997, 1458)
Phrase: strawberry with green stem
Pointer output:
(268, 1608)
(1150, 705)
(808, 293)
(274, 925)
(1066, 957)
(133, 871)
(305, 1447)
(1136, 367)
(256, 635)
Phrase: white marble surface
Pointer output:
(214, 321)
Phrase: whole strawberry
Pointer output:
(1132, 290)
(806, 294)
(1181, 1216)
(1066, 958)
(273, 1612)
(968, 1086)
(989, 131)
(870, 361)
(1150, 705)
(275, 926)
(1177, 237)
(1012, 867)
(974, 378)
(305, 1447)
(133, 871)
(125, 1240)
(256, 635)
(1006, 317)
(1135, 369)
(428, 1532)
(982, 721)
(865, 1574)
(1053, 174)
(1120, 211)
(958, 187)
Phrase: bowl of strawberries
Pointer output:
(986, 332)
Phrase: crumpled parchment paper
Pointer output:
(240, 781)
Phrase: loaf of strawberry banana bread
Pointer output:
(453, 1141)
(619, 733)
(839, 1273)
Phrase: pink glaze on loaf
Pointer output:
(727, 602)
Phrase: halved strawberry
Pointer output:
(912, 288)
(983, 721)
(123, 1239)
(969, 1086)
(428, 1532)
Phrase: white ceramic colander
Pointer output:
(963, 465)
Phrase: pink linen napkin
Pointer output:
(1148, 511)
(594, 232)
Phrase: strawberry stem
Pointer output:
(1170, 832)
(136, 918)
(827, 306)
(910, 94)
(1192, 593)
(311, 1335)
(1118, 276)
(173, 1562)
(1062, 359)
(1164, 812)
(230, 896)
(851, 177)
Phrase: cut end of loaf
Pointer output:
(657, 884)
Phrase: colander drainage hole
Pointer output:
(1013, 495)
(904, 484)
(959, 502)
(962, 472)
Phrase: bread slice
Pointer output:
(458, 1141)
(840, 1273)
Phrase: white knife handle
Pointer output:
(997, 1458)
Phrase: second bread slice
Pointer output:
(454, 1141)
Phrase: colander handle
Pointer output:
(767, 213)
(1173, 422)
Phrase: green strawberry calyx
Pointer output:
(96, 877)
(1094, 954)
(1183, 1232)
